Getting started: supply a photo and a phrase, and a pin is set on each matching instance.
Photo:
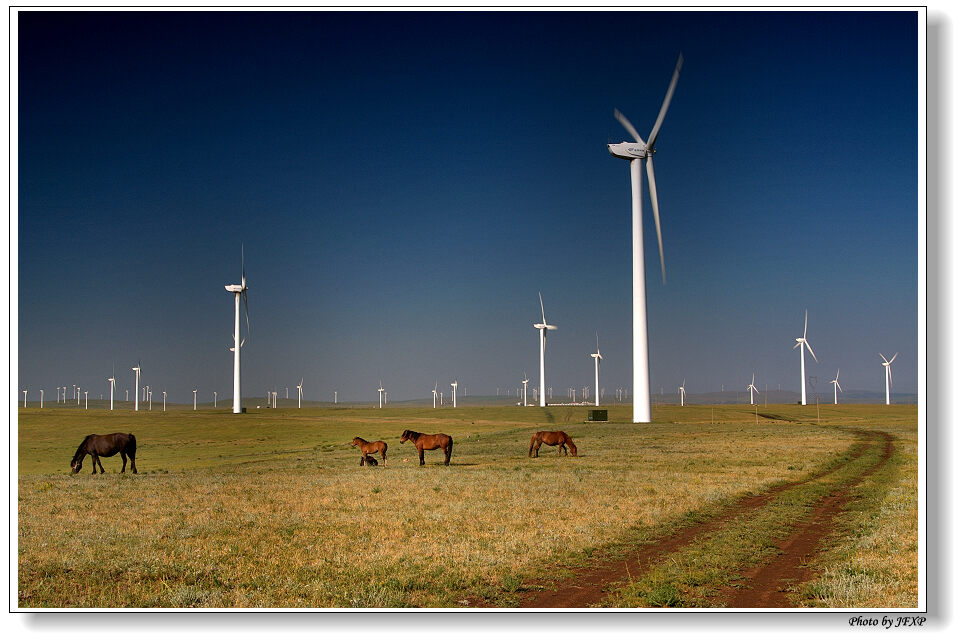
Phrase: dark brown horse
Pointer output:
(106, 445)
(551, 438)
(428, 442)
(378, 446)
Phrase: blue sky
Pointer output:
(405, 184)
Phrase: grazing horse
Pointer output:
(551, 438)
(106, 445)
(378, 446)
(429, 442)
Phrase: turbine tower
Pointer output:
(112, 381)
(542, 328)
(381, 391)
(597, 355)
(752, 388)
(434, 396)
(836, 387)
(525, 391)
(682, 394)
(301, 392)
(637, 152)
(888, 374)
(454, 394)
(136, 371)
(802, 357)
(239, 291)
(195, 400)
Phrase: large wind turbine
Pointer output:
(637, 152)
(597, 355)
(542, 328)
(888, 374)
(752, 388)
(802, 358)
(239, 291)
(836, 387)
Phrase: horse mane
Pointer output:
(360, 439)
(81, 449)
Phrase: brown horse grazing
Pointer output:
(378, 446)
(551, 438)
(106, 445)
(428, 442)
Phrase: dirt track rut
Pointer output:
(764, 586)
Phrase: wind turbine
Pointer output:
(752, 388)
(301, 392)
(454, 394)
(165, 401)
(637, 152)
(836, 387)
(25, 399)
(239, 290)
(682, 394)
(136, 371)
(542, 328)
(434, 396)
(597, 355)
(112, 381)
(195, 399)
(525, 391)
(41, 399)
(802, 357)
(888, 375)
(381, 390)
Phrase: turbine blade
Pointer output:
(894, 357)
(628, 126)
(883, 357)
(665, 103)
(543, 308)
(806, 324)
(811, 351)
(650, 171)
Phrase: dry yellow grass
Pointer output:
(299, 524)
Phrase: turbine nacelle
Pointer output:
(630, 150)
(544, 326)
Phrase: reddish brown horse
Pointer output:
(378, 446)
(428, 442)
(105, 445)
(551, 438)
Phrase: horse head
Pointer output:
(75, 465)
(405, 435)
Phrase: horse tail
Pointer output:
(132, 445)
(448, 448)
(532, 445)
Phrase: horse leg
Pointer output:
(133, 467)
(123, 467)
(448, 453)
(384, 457)
(538, 443)
(421, 455)
(95, 460)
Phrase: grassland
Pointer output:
(271, 509)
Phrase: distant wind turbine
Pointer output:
(542, 328)
(195, 399)
(25, 399)
(597, 355)
(41, 399)
(637, 152)
(836, 387)
(888, 374)
(454, 394)
(301, 392)
(381, 391)
(525, 391)
(802, 358)
(682, 394)
(434, 396)
(752, 388)
(239, 290)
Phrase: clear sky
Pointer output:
(405, 184)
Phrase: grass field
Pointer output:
(270, 509)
